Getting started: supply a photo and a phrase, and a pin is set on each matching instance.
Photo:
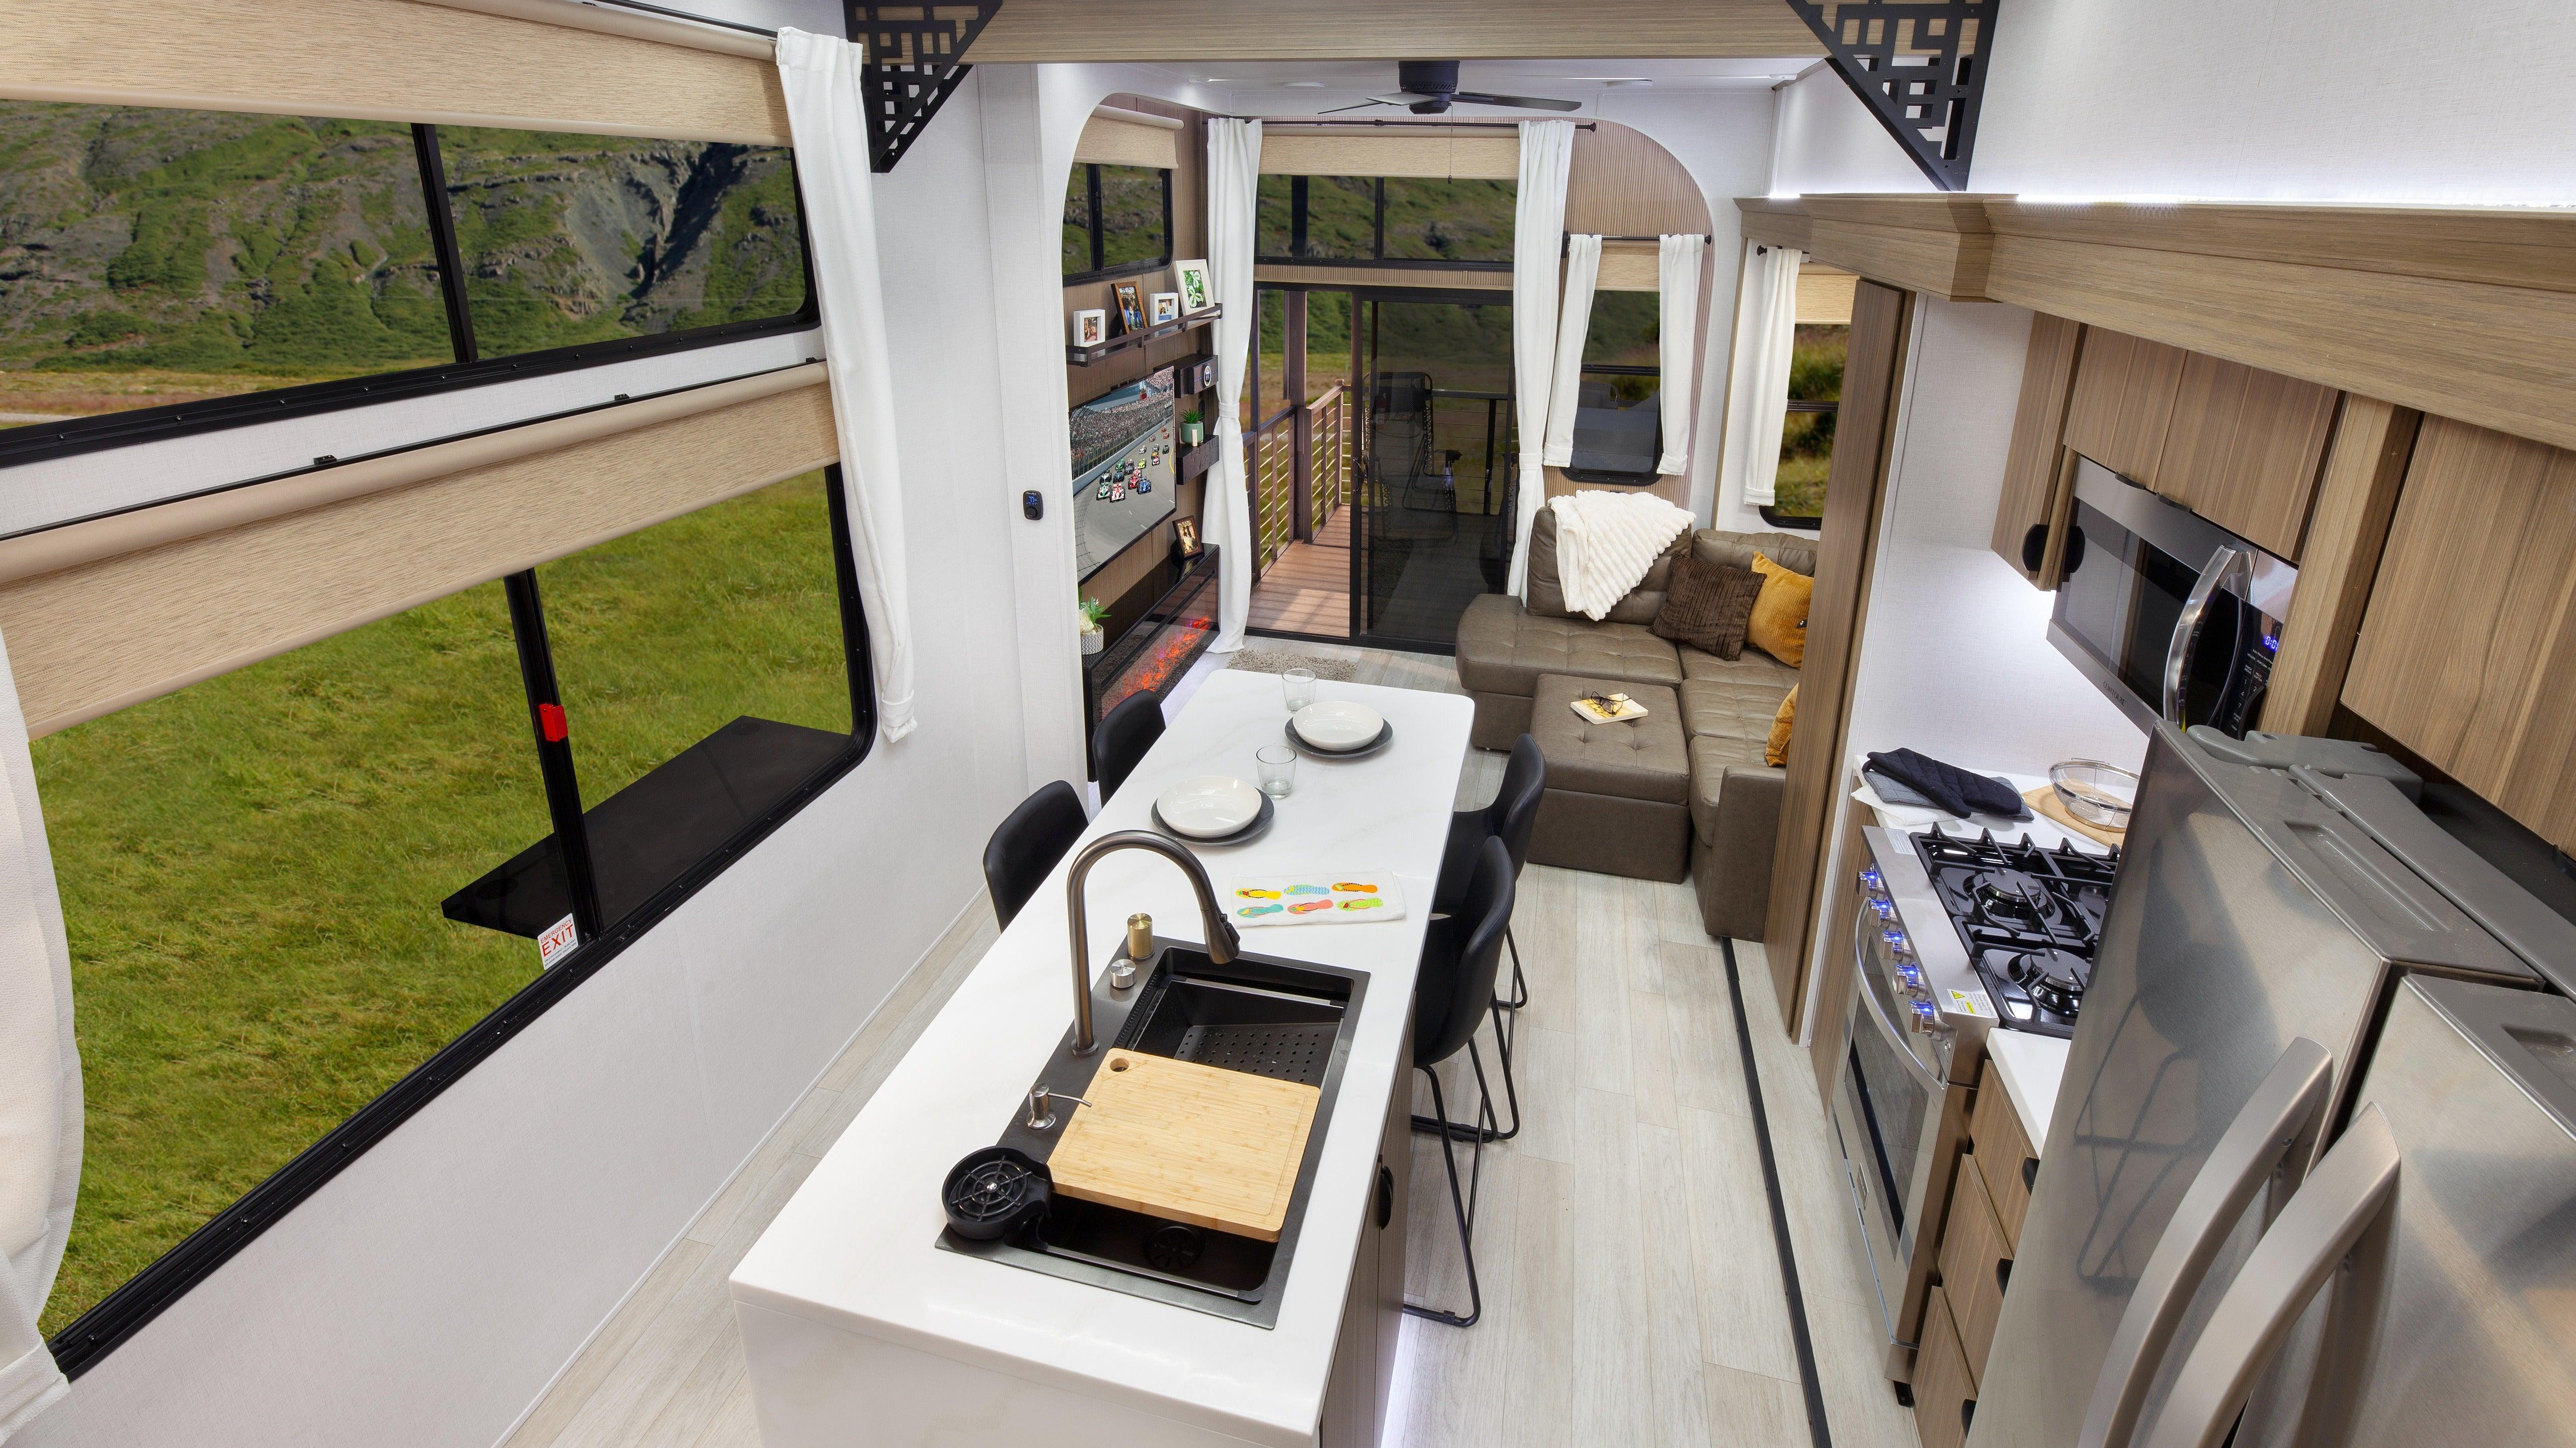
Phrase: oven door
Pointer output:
(2170, 615)
(1887, 1110)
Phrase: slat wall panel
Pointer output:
(1622, 182)
(1025, 31)
(2245, 447)
(2467, 654)
(89, 640)
(2347, 532)
(1846, 553)
(386, 60)
(2031, 470)
(2123, 402)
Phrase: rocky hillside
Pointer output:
(281, 248)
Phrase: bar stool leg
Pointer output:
(1463, 1207)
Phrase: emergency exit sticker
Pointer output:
(558, 940)
(1962, 1002)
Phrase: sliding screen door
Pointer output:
(1431, 528)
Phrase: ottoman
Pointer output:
(1618, 795)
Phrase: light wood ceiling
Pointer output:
(1184, 30)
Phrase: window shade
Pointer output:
(1112, 139)
(389, 60)
(109, 613)
(1825, 295)
(1485, 155)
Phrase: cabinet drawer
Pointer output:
(1945, 1394)
(2004, 1156)
(1975, 1264)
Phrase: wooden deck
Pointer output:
(1307, 589)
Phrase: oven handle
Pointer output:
(2228, 563)
(1930, 1079)
(2275, 1130)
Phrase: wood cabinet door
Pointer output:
(2030, 518)
(2244, 449)
(2003, 1153)
(2122, 403)
(2467, 652)
(1945, 1392)
(1976, 1263)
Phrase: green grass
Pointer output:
(251, 869)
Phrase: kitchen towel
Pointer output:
(1948, 787)
(1605, 542)
(1317, 897)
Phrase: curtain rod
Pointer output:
(1699, 236)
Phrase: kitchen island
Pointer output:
(858, 1328)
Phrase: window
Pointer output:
(164, 271)
(1387, 221)
(289, 887)
(1618, 416)
(1807, 437)
(1117, 221)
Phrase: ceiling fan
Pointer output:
(1430, 87)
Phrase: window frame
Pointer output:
(35, 442)
(124, 1311)
(1098, 271)
(1799, 522)
(1298, 186)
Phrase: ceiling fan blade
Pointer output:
(1526, 103)
(1364, 105)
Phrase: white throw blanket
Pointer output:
(1605, 542)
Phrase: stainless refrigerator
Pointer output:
(2287, 1054)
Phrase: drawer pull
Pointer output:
(2029, 1172)
(2003, 1273)
(1967, 1413)
(1385, 1196)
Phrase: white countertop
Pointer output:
(2029, 1065)
(855, 1247)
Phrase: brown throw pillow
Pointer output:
(1707, 606)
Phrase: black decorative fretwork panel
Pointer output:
(1920, 66)
(913, 63)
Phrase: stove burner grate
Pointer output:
(2029, 916)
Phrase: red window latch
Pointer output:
(551, 725)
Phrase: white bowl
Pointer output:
(1337, 724)
(1209, 806)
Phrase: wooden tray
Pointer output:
(2044, 799)
(1210, 1147)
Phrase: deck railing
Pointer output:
(1271, 460)
(1328, 457)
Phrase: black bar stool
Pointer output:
(1510, 818)
(1028, 843)
(1452, 993)
(1125, 733)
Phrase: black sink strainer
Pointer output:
(994, 1192)
(1300, 1052)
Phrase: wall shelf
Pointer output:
(1198, 460)
(1086, 356)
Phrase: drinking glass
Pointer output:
(1299, 686)
(1278, 770)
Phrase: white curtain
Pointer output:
(40, 1084)
(1538, 233)
(1574, 323)
(1757, 384)
(1234, 190)
(827, 115)
(1677, 275)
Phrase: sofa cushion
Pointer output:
(1708, 606)
(1790, 550)
(1750, 666)
(1711, 756)
(1503, 649)
(1779, 626)
(1730, 708)
(1547, 595)
(1641, 759)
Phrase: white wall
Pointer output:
(2370, 100)
(427, 1294)
(1829, 141)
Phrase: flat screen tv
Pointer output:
(1125, 464)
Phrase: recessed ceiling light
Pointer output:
(1305, 85)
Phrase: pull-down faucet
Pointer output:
(1222, 942)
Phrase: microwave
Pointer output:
(2171, 616)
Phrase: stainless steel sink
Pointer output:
(1255, 1013)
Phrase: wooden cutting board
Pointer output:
(2044, 799)
(1197, 1144)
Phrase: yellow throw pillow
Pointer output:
(1776, 752)
(1779, 625)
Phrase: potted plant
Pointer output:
(1192, 431)
(1094, 615)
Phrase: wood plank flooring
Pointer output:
(1306, 590)
(1624, 1241)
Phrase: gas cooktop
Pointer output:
(2030, 918)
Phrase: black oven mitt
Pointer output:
(1948, 787)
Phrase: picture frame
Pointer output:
(1090, 328)
(1130, 300)
(1185, 536)
(1166, 307)
(1197, 293)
